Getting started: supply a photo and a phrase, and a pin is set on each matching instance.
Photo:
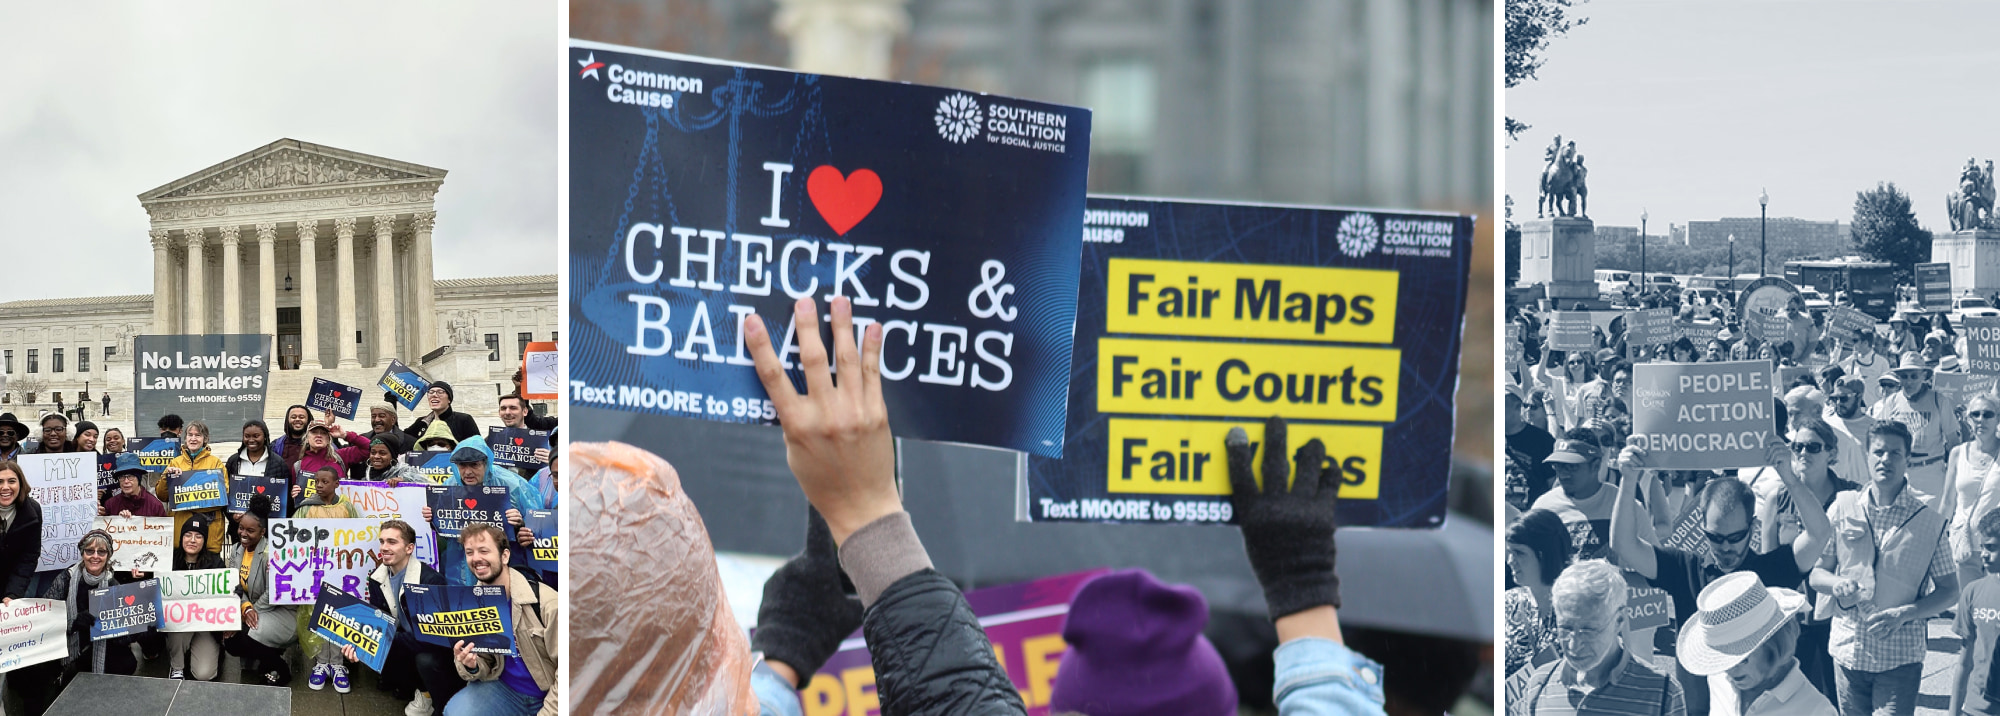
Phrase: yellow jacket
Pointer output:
(217, 524)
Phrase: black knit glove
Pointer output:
(806, 610)
(1287, 533)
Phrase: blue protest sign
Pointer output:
(242, 489)
(948, 217)
(455, 506)
(197, 490)
(446, 615)
(434, 465)
(515, 448)
(544, 554)
(345, 620)
(124, 609)
(154, 453)
(339, 398)
(1194, 318)
(107, 464)
(405, 384)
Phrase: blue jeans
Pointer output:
(492, 698)
(1883, 693)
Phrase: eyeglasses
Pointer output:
(1980, 414)
(1728, 539)
(1811, 448)
(1563, 634)
(9, 433)
(97, 552)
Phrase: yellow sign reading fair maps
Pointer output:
(1235, 300)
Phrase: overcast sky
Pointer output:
(1686, 108)
(103, 101)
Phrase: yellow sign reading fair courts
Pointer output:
(1210, 378)
(1238, 300)
(1186, 457)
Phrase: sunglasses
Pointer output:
(1812, 448)
(9, 433)
(1728, 539)
(1980, 414)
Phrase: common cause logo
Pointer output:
(958, 118)
(1358, 234)
(590, 66)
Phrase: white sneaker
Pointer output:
(419, 706)
(177, 674)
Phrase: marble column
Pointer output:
(425, 284)
(197, 297)
(267, 288)
(232, 293)
(842, 37)
(385, 289)
(308, 296)
(163, 279)
(343, 272)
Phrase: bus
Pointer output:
(1870, 286)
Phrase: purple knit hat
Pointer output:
(1135, 647)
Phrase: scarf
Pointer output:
(82, 579)
(196, 455)
(7, 513)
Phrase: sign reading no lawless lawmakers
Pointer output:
(706, 195)
(1703, 416)
(216, 378)
(1194, 318)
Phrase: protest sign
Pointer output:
(405, 384)
(1646, 606)
(217, 378)
(976, 302)
(200, 600)
(434, 465)
(327, 395)
(540, 379)
(346, 620)
(123, 609)
(1847, 323)
(515, 448)
(1650, 327)
(305, 553)
(144, 543)
(1023, 620)
(1571, 331)
(65, 485)
(544, 553)
(1703, 416)
(1956, 388)
(197, 490)
(244, 488)
(1696, 332)
(455, 506)
(379, 501)
(1170, 354)
(1934, 286)
(106, 464)
(154, 453)
(1762, 308)
(1513, 347)
(1687, 534)
(1788, 376)
(33, 631)
(1982, 344)
(443, 616)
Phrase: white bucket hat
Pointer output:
(1737, 614)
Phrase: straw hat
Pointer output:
(1737, 614)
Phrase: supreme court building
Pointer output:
(326, 249)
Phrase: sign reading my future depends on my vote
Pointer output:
(1703, 416)
(1346, 323)
(703, 195)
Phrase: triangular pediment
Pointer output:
(290, 164)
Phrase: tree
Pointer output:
(29, 385)
(1531, 25)
(1885, 227)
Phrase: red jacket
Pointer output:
(145, 505)
(310, 462)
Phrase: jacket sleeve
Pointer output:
(1322, 677)
(930, 654)
(463, 426)
(24, 550)
(357, 448)
(540, 422)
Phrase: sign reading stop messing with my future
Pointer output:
(1344, 322)
(1703, 416)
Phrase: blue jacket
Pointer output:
(521, 495)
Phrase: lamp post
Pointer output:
(1731, 272)
(1642, 250)
(1763, 204)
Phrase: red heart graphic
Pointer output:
(843, 202)
(471, 504)
(129, 599)
(517, 441)
(260, 489)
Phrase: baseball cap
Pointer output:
(1573, 451)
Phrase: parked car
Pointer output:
(1964, 307)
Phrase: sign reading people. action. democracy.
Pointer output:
(1847, 323)
(197, 490)
(32, 631)
(243, 489)
(1346, 323)
(339, 398)
(434, 465)
(144, 543)
(455, 506)
(515, 448)
(478, 614)
(217, 378)
(706, 195)
(65, 486)
(305, 553)
(200, 600)
(123, 609)
(1703, 416)
(405, 384)
(346, 620)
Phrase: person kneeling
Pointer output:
(503, 685)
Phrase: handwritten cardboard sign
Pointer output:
(65, 485)
(339, 398)
(379, 501)
(1703, 416)
(33, 631)
(305, 553)
(540, 377)
(200, 600)
(144, 543)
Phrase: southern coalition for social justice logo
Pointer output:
(1358, 234)
(958, 118)
(590, 67)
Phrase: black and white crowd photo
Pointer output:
(1750, 355)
